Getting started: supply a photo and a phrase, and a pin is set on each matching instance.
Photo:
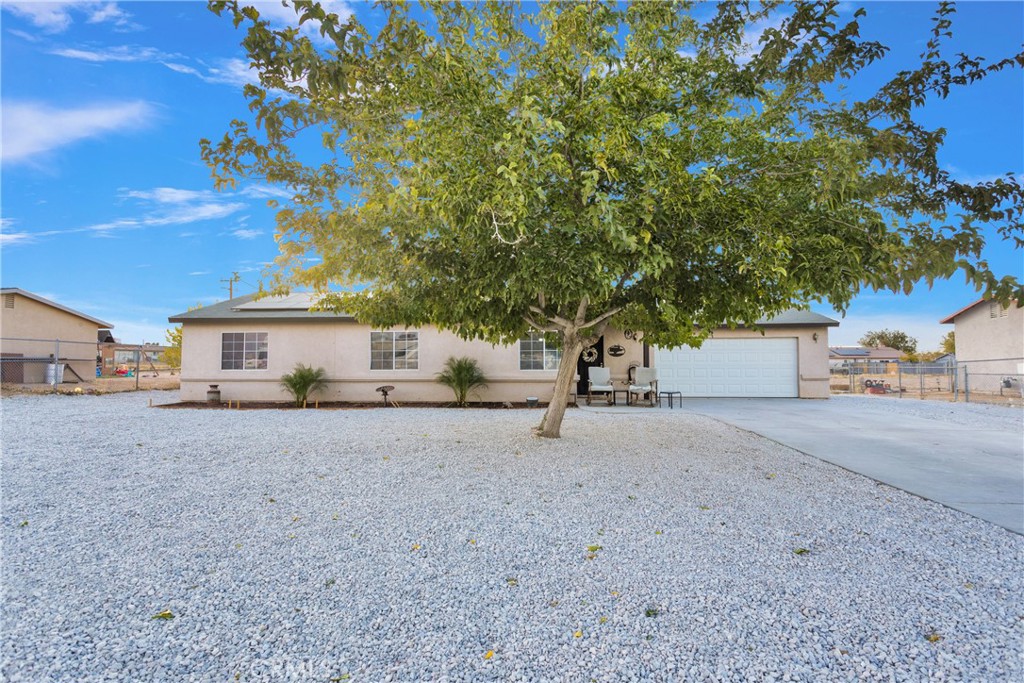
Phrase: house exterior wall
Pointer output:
(342, 349)
(812, 354)
(33, 320)
(990, 348)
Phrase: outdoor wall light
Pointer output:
(814, 336)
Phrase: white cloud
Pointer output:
(56, 17)
(265, 192)
(168, 195)
(234, 72)
(11, 238)
(198, 273)
(120, 53)
(246, 233)
(31, 129)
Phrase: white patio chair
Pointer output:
(646, 383)
(599, 380)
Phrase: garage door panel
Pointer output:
(731, 368)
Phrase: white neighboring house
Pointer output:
(244, 346)
(990, 344)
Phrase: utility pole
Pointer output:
(235, 277)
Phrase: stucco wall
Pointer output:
(343, 350)
(31, 319)
(991, 348)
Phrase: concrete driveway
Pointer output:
(976, 468)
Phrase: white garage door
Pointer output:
(730, 367)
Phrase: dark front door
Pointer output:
(594, 356)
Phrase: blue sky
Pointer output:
(107, 207)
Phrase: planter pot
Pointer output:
(213, 395)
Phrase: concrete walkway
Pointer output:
(976, 470)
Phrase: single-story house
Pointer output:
(112, 355)
(244, 346)
(34, 331)
(989, 344)
(872, 359)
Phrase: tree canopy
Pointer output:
(894, 339)
(493, 168)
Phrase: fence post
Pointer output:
(138, 357)
(920, 384)
(954, 383)
(967, 387)
(56, 360)
(899, 380)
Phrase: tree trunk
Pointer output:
(551, 425)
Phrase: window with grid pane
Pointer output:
(244, 351)
(394, 350)
(536, 354)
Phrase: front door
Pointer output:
(592, 356)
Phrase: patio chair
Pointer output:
(646, 383)
(599, 380)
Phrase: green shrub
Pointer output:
(303, 381)
(461, 375)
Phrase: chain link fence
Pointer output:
(28, 361)
(988, 381)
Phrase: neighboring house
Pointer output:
(34, 330)
(989, 344)
(244, 346)
(113, 355)
(871, 359)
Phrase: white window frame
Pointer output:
(245, 340)
(551, 356)
(410, 335)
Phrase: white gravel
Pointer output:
(410, 544)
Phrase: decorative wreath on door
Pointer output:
(589, 354)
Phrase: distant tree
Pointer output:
(948, 343)
(894, 339)
(496, 168)
(172, 354)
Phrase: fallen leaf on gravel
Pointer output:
(415, 546)
(166, 614)
(578, 634)
(801, 551)
(488, 654)
(933, 637)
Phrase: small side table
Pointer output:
(669, 395)
(615, 395)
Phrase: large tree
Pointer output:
(495, 169)
(894, 339)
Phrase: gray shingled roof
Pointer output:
(296, 307)
(798, 318)
(292, 307)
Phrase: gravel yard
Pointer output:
(418, 544)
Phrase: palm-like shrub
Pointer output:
(461, 375)
(303, 381)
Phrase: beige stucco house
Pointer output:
(989, 344)
(34, 330)
(244, 346)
